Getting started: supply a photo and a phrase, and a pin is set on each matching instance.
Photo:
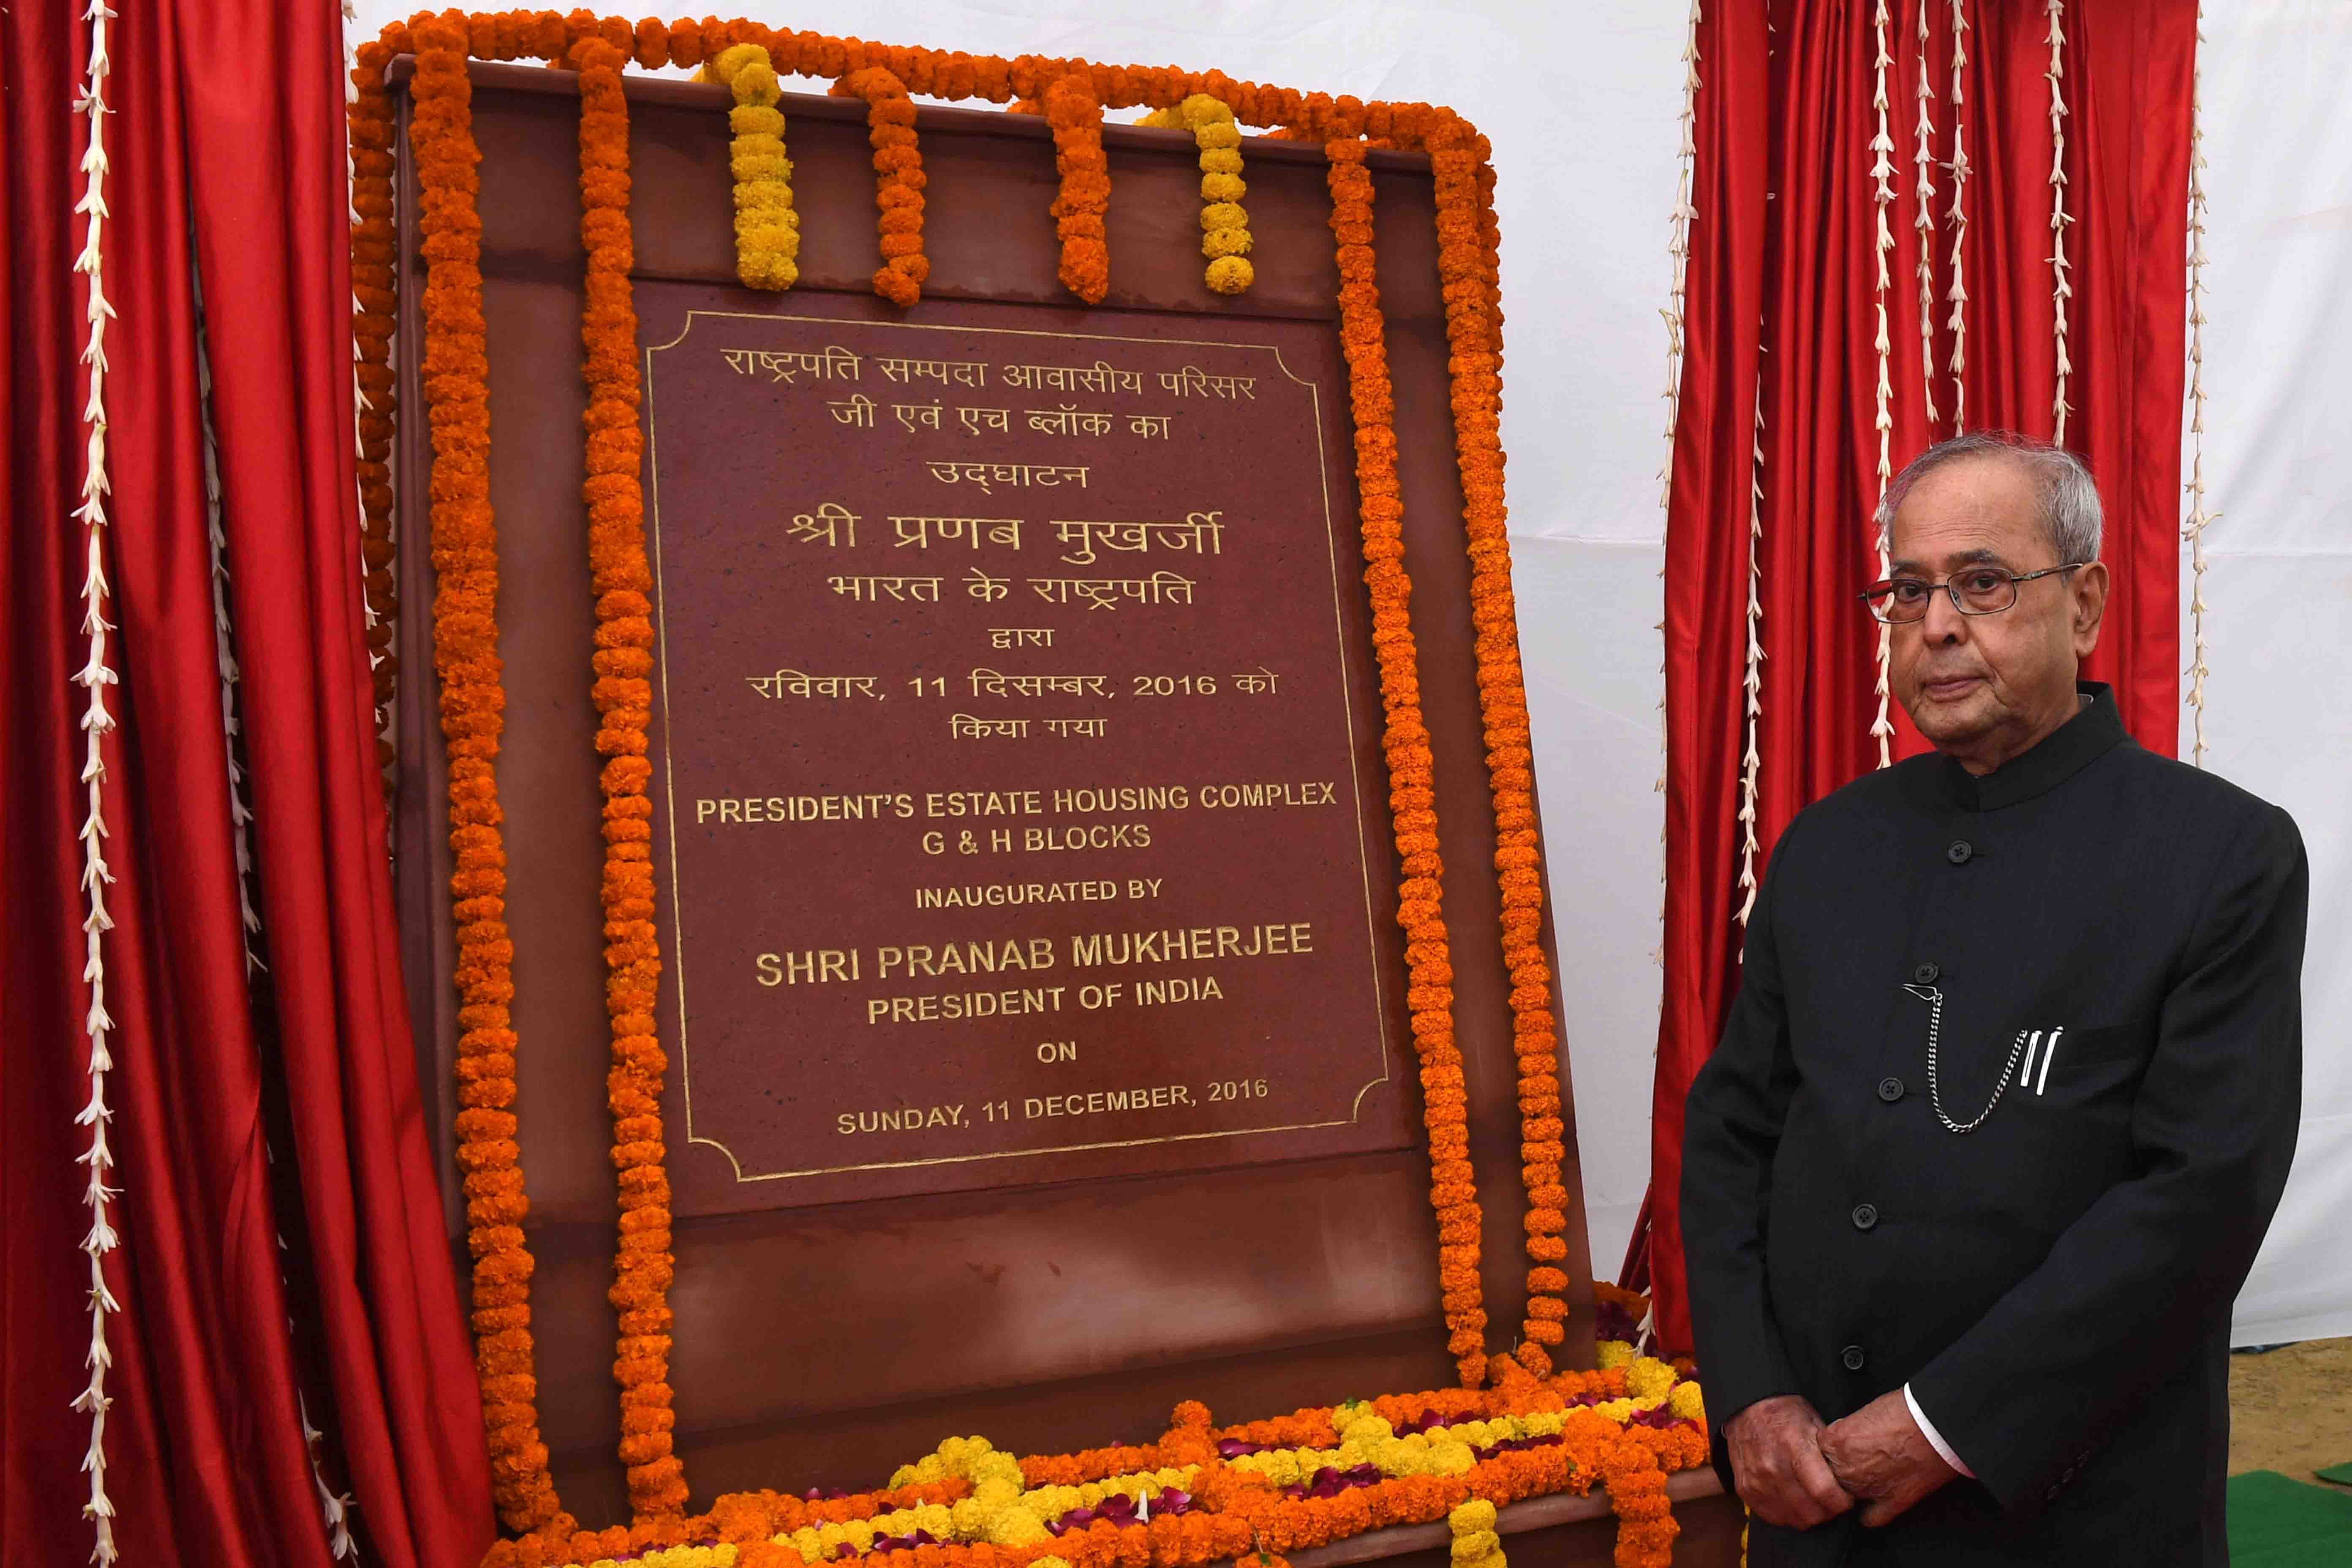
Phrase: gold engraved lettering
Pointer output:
(993, 684)
(902, 369)
(1195, 381)
(1020, 636)
(1191, 944)
(753, 809)
(832, 523)
(1100, 377)
(833, 363)
(1151, 427)
(985, 588)
(993, 894)
(1178, 988)
(792, 683)
(873, 590)
(811, 966)
(1280, 793)
(938, 1007)
(1199, 531)
(1013, 475)
(912, 414)
(899, 1119)
(1105, 593)
(1102, 1102)
(1261, 679)
(1067, 421)
(855, 410)
(965, 727)
(919, 532)
(976, 420)
(1089, 729)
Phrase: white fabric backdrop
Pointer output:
(1581, 100)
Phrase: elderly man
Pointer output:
(2008, 1093)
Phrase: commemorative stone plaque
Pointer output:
(1020, 793)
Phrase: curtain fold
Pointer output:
(225, 167)
(1784, 276)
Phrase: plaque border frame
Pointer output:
(670, 788)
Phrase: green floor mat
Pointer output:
(2279, 1523)
(2340, 1474)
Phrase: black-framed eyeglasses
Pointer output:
(1974, 590)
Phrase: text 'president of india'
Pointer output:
(2008, 1093)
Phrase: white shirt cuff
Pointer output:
(1935, 1439)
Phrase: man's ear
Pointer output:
(2090, 606)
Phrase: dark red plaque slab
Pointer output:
(1022, 817)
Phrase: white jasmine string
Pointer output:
(94, 678)
(2062, 287)
(1882, 174)
(1678, 253)
(1751, 762)
(240, 815)
(2193, 528)
(1958, 294)
(1923, 159)
(361, 406)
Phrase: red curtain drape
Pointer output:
(1779, 308)
(225, 165)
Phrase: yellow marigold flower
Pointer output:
(1017, 1527)
(1231, 275)
(1452, 1459)
(1613, 1353)
(1649, 1377)
(1221, 161)
(1687, 1402)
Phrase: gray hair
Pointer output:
(2069, 499)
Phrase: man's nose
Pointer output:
(1943, 623)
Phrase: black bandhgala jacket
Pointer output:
(2117, 942)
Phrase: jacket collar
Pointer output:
(2094, 731)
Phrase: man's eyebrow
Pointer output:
(1981, 555)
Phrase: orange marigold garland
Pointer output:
(473, 701)
(1412, 799)
(1076, 116)
(897, 181)
(1474, 332)
(623, 581)
(375, 304)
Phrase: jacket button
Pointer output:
(1959, 852)
(1865, 1217)
(1890, 1089)
(1852, 1357)
(1926, 974)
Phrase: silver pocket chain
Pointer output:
(1935, 1000)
